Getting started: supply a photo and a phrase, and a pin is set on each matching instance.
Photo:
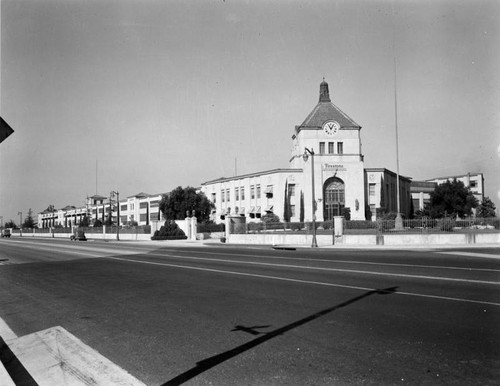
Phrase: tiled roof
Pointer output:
(325, 111)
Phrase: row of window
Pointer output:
(255, 193)
(253, 213)
(331, 148)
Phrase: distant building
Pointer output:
(421, 190)
(141, 208)
(474, 181)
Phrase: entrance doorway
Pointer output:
(334, 198)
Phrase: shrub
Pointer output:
(169, 231)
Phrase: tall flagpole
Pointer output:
(399, 219)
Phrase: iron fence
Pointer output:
(421, 225)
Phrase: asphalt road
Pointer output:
(220, 315)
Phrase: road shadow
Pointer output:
(216, 360)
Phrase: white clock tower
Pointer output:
(335, 140)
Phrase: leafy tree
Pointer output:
(486, 209)
(97, 223)
(109, 220)
(11, 224)
(451, 198)
(179, 201)
(29, 222)
(85, 221)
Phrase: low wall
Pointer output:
(354, 240)
(91, 236)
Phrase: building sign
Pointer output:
(334, 167)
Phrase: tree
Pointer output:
(85, 222)
(451, 198)
(29, 223)
(11, 224)
(180, 201)
(287, 210)
(486, 209)
(301, 218)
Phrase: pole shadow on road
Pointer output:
(216, 360)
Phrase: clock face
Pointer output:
(331, 127)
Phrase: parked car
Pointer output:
(6, 233)
(78, 235)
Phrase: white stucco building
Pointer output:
(141, 208)
(340, 179)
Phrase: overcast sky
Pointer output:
(159, 94)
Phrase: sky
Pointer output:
(147, 95)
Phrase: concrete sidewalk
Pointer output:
(55, 357)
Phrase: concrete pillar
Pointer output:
(338, 229)
(227, 221)
(193, 228)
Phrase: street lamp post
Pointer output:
(113, 193)
(20, 223)
(305, 156)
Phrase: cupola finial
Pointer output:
(324, 94)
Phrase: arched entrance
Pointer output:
(333, 198)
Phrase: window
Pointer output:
(228, 198)
(321, 148)
(334, 198)
(258, 191)
(237, 194)
(371, 193)
(291, 190)
(213, 198)
(473, 184)
(154, 204)
(143, 217)
(340, 148)
(331, 147)
(222, 195)
(252, 192)
(292, 210)
(242, 193)
(143, 205)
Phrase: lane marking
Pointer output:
(334, 269)
(472, 254)
(73, 248)
(298, 280)
(347, 261)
